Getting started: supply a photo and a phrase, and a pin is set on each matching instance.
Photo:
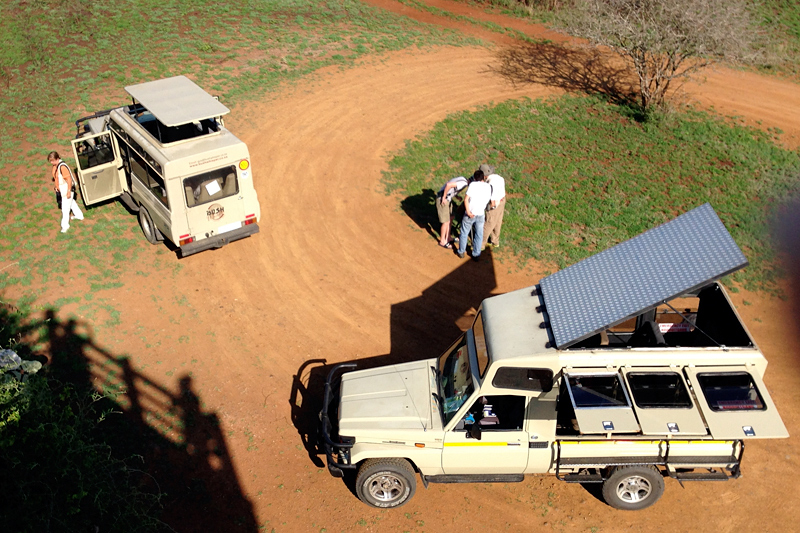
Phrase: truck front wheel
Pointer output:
(385, 483)
(631, 488)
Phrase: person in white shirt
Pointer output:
(444, 207)
(497, 207)
(478, 196)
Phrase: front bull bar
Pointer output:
(341, 449)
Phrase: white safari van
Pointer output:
(624, 369)
(169, 158)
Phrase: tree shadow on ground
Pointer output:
(585, 70)
(421, 328)
(184, 454)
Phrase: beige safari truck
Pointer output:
(627, 368)
(169, 158)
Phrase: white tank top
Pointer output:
(61, 180)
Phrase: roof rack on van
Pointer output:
(176, 101)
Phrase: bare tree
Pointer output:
(665, 41)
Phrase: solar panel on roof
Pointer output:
(626, 280)
(177, 100)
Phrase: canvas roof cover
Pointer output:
(178, 100)
(634, 276)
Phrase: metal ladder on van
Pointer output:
(718, 468)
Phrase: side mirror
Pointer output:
(474, 432)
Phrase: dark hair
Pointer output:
(53, 155)
(478, 176)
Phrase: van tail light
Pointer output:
(250, 219)
(185, 239)
(244, 164)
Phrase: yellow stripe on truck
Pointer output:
(477, 444)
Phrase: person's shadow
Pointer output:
(421, 208)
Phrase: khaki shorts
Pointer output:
(444, 211)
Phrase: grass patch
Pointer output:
(491, 26)
(777, 25)
(88, 52)
(583, 175)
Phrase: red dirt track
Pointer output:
(339, 272)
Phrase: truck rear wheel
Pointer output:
(148, 228)
(385, 483)
(631, 488)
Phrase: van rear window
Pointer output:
(209, 186)
(731, 391)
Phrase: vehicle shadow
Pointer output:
(421, 328)
(184, 456)
(585, 70)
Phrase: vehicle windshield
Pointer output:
(209, 186)
(482, 352)
(455, 378)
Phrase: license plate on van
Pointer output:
(229, 227)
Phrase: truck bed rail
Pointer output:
(680, 467)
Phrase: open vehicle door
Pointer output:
(735, 403)
(663, 402)
(99, 163)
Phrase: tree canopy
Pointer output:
(665, 41)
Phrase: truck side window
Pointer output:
(659, 390)
(497, 413)
(597, 390)
(480, 345)
(730, 391)
(531, 379)
(148, 176)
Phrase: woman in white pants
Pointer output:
(62, 177)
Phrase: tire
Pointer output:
(631, 488)
(385, 483)
(148, 228)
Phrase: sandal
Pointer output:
(449, 246)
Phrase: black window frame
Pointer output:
(655, 391)
(733, 405)
(592, 391)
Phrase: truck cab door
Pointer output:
(503, 444)
(99, 174)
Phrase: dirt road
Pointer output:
(339, 273)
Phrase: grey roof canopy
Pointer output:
(178, 100)
(634, 276)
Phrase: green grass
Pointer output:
(491, 26)
(777, 26)
(583, 175)
(77, 59)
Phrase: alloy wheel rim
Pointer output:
(634, 489)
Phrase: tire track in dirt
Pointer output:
(338, 271)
